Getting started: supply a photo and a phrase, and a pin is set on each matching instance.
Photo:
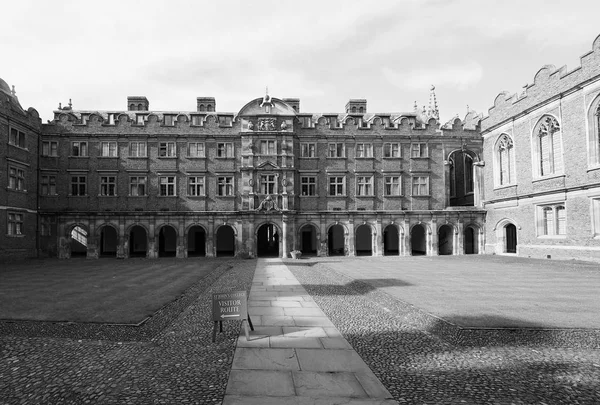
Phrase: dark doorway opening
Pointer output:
(391, 241)
(418, 241)
(511, 238)
(108, 241)
(138, 242)
(471, 242)
(445, 239)
(267, 241)
(78, 242)
(364, 244)
(225, 241)
(308, 240)
(335, 240)
(167, 242)
(196, 242)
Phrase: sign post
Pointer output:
(230, 306)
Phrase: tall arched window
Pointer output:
(452, 177)
(594, 134)
(506, 159)
(468, 174)
(549, 146)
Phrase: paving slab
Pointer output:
(295, 344)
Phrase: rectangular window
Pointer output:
(139, 119)
(225, 150)
(364, 185)
(268, 183)
(137, 149)
(166, 149)
(268, 148)
(16, 179)
(196, 120)
(308, 185)
(48, 185)
(79, 148)
(195, 186)
(225, 186)
(108, 185)
(392, 185)
(418, 150)
(109, 149)
(168, 120)
(308, 150)
(167, 186)
(553, 220)
(196, 149)
(336, 150)
(337, 185)
(50, 148)
(15, 224)
(391, 150)
(420, 185)
(78, 185)
(364, 150)
(137, 186)
(17, 138)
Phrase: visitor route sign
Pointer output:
(230, 306)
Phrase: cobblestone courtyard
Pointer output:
(405, 335)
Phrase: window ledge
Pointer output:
(335, 157)
(366, 196)
(394, 196)
(593, 168)
(365, 157)
(504, 186)
(196, 157)
(18, 147)
(138, 157)
(393, 157)
(15, 236)
(108, 157)
(78, 157)
(420, 157)
(548, 177)
(552, 237)
(196, 197)
(16, 191)
(167, 157)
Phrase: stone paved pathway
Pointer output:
(295, 354)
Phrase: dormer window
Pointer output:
(139, 119)
(168, 120)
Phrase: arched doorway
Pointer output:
(78, 242)
(138, 242)
(511, 238)
(391, 241)
(471, 241)
(167, 242)
(225, 241)
(445, 240)
(418, 240)
(308, 240)
(364, 242)
(267, 239)
(335, 240)
(196, 242)
(108, 241)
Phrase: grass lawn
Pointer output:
(486, 290)
(104, 290)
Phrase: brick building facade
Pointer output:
(19, 137)
(266, 180)
(542, 154)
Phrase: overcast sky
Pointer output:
(323, 52)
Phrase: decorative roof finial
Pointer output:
(416, 107)
(70, 105)
(433, 110)
(13, 92)
(60, 106)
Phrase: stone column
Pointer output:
(432, 237)
(406, 241)
(349, 242)
(459, 248)
(284, 241)
(122, 241)
(447, 180)
(239, 235)
(151, 245)
(478, 183)
(210, 237)
(181, 252)
(250, 241)
(378, 239)
(92, 241)
(322, 247)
